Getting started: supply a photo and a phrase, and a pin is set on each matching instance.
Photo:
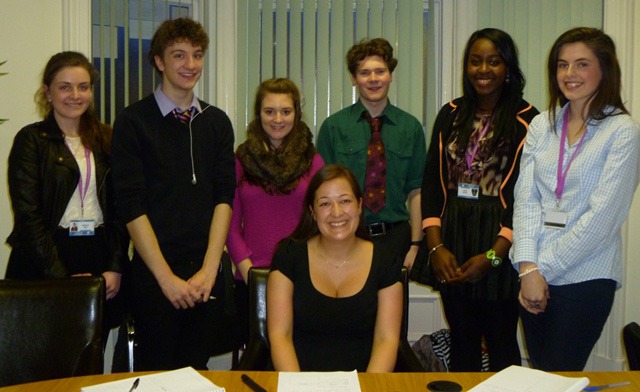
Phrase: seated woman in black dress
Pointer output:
(334, 301)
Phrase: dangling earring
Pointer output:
(507, 80)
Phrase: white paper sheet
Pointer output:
(318, 382)
(181, 380)
(522, 379)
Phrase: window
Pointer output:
(121, 36)
(304, 40)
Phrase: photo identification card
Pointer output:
(468, 191)
(85, 227)
(555, 219)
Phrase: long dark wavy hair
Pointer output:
(93, 133)
(504, 118)
(608, 91)
(277, 170)
(307, 226)
(278, 86)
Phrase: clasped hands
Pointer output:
(184, 294)
(446, 270)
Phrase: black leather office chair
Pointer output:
(257, 355)
(631, 337)
(50, 328)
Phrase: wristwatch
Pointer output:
(493, 259)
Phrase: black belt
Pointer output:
(381, 228)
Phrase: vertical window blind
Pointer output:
(307, 41)
(534, 26)
(304, 40)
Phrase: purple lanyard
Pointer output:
(83, 189)
(470, 156)
(562, 175)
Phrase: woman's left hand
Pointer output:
(473, 269)
(534, 292)
(112, 283)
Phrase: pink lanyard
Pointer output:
(470, 156)
(83, 189)
(562, 175)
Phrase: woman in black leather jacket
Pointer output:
(59, 184)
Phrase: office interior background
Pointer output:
(306, 40)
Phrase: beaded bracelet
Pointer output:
(527, 271)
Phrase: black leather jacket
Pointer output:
(42, 178)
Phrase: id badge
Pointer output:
(468, 191)
(554, 219)
(79, 228)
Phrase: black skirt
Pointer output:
(83, 254)
(469, 228)
(89, 254)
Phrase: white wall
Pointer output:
(30, 32)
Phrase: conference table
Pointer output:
(390, 382)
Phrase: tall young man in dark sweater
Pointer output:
(174, 179)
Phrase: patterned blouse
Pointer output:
(489, 161)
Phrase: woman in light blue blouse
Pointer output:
(579, 171)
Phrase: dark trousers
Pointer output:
(398, 238)
(241, 293)
(172, 338)
(562, 337)
(469, 321)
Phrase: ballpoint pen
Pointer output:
(252, 384)
(135, 385)
(601, 387)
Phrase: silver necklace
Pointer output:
(325, 258)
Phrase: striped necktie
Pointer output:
(183, 117)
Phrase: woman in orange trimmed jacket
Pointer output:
(467, 202)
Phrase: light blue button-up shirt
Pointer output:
(597, 195)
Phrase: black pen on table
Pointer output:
(252, 384)
(135, 385)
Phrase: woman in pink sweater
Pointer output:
(273, 169)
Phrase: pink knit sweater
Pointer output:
(260, 220)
